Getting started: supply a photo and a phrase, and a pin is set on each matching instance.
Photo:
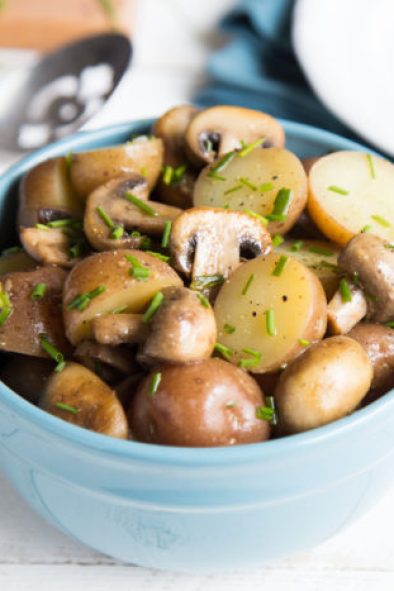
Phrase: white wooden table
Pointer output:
(172, 45)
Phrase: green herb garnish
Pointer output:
(365, 229)
(339, 190)
(270, 324)
(345, 291)
(280, 265)
(166, 234)
(248, 283)
(265, 187)
(282, 202)
(138, 270)
(158, 255)
(233, 189)
(53, 353)
(65, 223)
(297, 246)
(263, 220)
(222, 163)
(82, 300)
(155, 304)
(246, 182)
(249, 147)
(229, 329)
(224, 351)
(206, 281)
(277, 240)
(389, 246)
(142, 205)
(390, 324)
(168, 173)
(371, 166)
(203, 300)
(304, 342)
(63, 406)
(253, 361)
(380, 220)
(154, 383)
(5, 305)
(268, 412)
(39, 291)
(321, 250)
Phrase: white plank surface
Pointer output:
(172, 43)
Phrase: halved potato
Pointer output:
(321, 257)
(47, 186)
(143, 155)
(350, 192)
(252, 182)
(268, 311)
(110, 271)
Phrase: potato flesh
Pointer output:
(323, 265)
(273, 167)
(370, 194)
(296, 298)
(111, 270)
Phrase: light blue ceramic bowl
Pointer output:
(193, 509)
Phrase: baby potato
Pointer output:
(47, 186)
(143, 155)
(79, 396)
(350, 192)
(324, 384)
(268, 311)
(252, 182)
(108, 281)
(319, 256)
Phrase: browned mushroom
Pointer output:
(175, 186)
(115, 329)
(221, 129)
(378, 342)
(110, 215)
(217, 238)
(53, 246)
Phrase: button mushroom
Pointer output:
(53, 246)
(217, 238)
(93, 355)
(369, 262)
(176, 185)
(109, 215)
(207, 404)
(78, 396)
(178, 327)
(378, 342)
(221, 129)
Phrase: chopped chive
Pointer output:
(168, 173)
(155, 304)
(270, 324)
(65, 223)
(356, 278)
(263, 220)
(229, 328)
(154, 383)
(179, 173)
(265, 187)
(268, 412)
(253, 361)
(389, 246)
(166, 234)
(206, 281)
(222, 163)
(248, 283)
(370, 166)
(226, 206)
(144, 171)
(280, 265)
(380, 220)
(69, 157)
(158, 255)
(249, 147)
(304, 342)
(142, 205)
(105, 217)
(214, 175)
(51, 350)
(297, 246)
(321, 250)
(390, 324)
(119, 310)
(277, 240)
(282, 202)
(276, 217)
(5, 305)
(117, 232)
(328, 265)
(67, 407)
(42, 227)
(11, 250)
(339, 190)
(230, 405)
(224, 351)
(138, 270)
(246, 182)
(146, 243)
(203, 300)
(365, 229)
(39, 291)
(344, 290)
(82, 300)
(233, 189)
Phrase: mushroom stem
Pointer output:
(342, 316)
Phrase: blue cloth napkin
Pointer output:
(258, 68)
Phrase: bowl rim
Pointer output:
(162, 454)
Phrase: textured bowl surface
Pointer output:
(192, 509)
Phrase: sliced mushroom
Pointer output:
(46, 193)
(176, 188)
(25, 318)
(78, 396)
(342, 316)
(217, 238)
(121, 358)
(110, 201)
(182, 329)
(372, 260)
(52, 246)
(221, 129)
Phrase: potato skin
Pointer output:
(378, 342)
(207, 404)
(326, 383)
(98, 406)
